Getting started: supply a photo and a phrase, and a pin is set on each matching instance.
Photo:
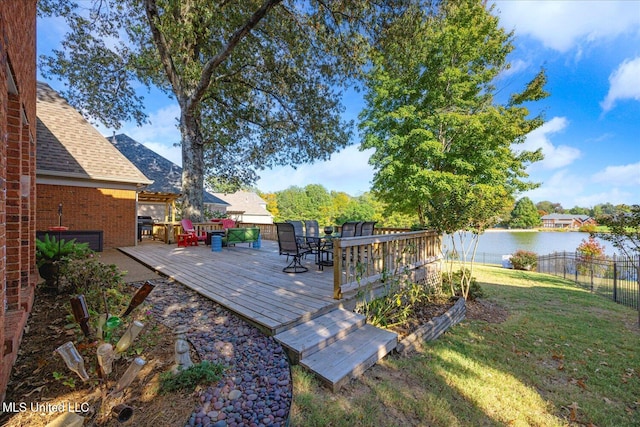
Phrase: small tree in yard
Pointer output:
(590, 252)
(443, 145)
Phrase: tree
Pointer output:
(576, 210)
(549, 207)
(525, 215)
(292, 203)
(257, 81)
(443, 145)
(623, 230)
(272, 203)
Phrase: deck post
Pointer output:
(337, 269)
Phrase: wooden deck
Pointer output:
(247, 281)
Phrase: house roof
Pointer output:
(70, 148)
(166, 175)
(557, 216)
(244, 201)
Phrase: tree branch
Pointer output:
(163, 50)
(235, 38)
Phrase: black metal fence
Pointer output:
(615, 278)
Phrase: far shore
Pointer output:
(529, 230)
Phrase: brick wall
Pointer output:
(17, 175)
(112, 211)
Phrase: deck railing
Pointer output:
(358, 261)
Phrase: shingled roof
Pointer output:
(166, 175)
(70, 148)
(244, 201)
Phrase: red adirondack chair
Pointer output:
(188, 228)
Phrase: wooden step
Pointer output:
(350, 356)
(307, 338)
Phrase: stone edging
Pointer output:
(434, 328)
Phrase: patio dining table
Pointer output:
(323, 248)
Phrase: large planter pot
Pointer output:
(50, 271)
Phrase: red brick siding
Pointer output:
(112, 211)
(17, 176)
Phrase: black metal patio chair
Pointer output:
(349, 229)
(288, 245)
(367, 228)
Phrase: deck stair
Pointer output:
(337, 346)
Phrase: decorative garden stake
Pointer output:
(129, 336)
(129, 375)
(122, 412)
(111, 323)
(81, 313)
(102, 320)
(73, 359)
(138, 297)
(182, 350)
(105, 357)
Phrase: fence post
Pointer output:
(615, 279)
(637, 262)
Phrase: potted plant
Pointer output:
(50, 252)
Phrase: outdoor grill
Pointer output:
(145, 226)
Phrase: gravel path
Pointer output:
(257, 387)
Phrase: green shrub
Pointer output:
(397, 305)
(524, 260)
(204, 372)
(87, 276)
(452, 282)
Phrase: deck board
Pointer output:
(247, 281)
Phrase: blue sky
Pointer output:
(591, 137)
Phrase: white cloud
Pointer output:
(624, 83)
(348, 171)
(560, 187)
(516, 66)
(562, 25)
(615, 196)
(625, 175)
(576, 190)
(554, 156)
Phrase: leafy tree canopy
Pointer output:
(624, 230)
(548, 207)
(444, 148)
(525, 215)
(257, 81)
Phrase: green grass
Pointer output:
(563, 357)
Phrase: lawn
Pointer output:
(563, 357)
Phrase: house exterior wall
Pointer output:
(17, 175)
(84, 208)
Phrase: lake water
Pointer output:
(540, 242)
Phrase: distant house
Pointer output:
(166, 176)
(566, 221)
(247, 207)
(80, 173)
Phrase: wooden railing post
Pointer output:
(337, 269)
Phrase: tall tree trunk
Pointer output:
(192, 165)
